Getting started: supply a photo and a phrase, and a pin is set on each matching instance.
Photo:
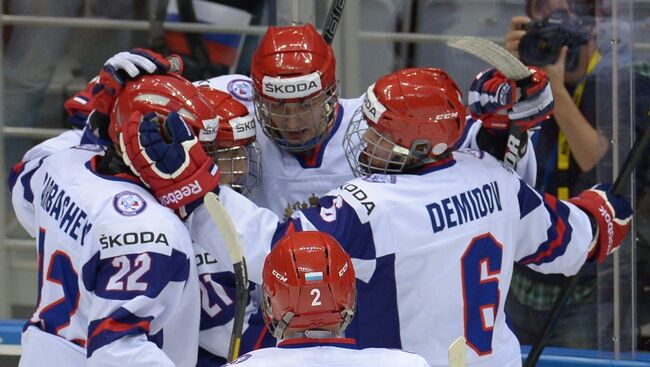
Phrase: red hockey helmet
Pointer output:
(308, 284)
(237, 153)
(293, 72)
(162, 94)
(413, 116)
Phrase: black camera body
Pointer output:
(544, 38)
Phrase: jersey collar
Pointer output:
(347, 343)
(435, 166)
(91, 165)
(315, 158)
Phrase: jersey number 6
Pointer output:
(481, 264)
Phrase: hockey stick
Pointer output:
(457, 353)
(224, 223)
(623, 176)
(156, 29)
(332, 21)
(513, 69)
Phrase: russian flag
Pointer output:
(222, 48)
(314, 276)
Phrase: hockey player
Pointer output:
(309, 299)
(433, 231)
(118, 282)
(297, 104)
(233, 127)
(296, 98)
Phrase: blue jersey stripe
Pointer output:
(163, 269)
(528, 199)
(117, 325)
(25, 180)
(558, 233)
(354, 236)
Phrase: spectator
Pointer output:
(572, 150)
(33, 53)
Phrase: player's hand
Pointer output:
(612, 214)
(557, 70)
(499, 102)
(516, 33)
(125, 66)
(172, 163)
(79, 106)
(490, 97)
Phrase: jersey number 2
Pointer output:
(481, 264)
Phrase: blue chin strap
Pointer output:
(296, 148)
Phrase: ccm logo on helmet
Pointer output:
(343, 270)
(445, 116)
(287, 88)
(279, 276)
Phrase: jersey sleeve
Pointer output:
(526, 167)
(136, 277)
(23, 183)
(554, 235)
(255, 226)
(218, 297)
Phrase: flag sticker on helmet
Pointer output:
(372, 108)
(315, 276)
(243, 127)
(210, 128)
(287, 88)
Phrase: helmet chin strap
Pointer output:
(320, 334)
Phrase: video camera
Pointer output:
(544, 38)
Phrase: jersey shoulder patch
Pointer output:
(129, 204)
(241, 89)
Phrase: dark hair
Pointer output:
(578, 7)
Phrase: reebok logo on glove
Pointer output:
(174, 197)
(610, 227)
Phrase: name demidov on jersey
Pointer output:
(71, 218)
(465, 207)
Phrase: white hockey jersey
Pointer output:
(117, 277)
(327, 353)
(218, 295)
(433, 252)
(291, 183)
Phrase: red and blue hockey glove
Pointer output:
(172, 163)
(125, 66)
(498, 101)
(79, 106)
(612, 214)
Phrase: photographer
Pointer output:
(559, 36)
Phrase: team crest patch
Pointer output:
(380, 178)
(241, 89)
(129, 203)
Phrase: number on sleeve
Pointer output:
(481, 265)
(208, 303)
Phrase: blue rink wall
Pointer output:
(552, 357)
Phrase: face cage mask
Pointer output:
(308, 131)
(367, 151)
(240, 166)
